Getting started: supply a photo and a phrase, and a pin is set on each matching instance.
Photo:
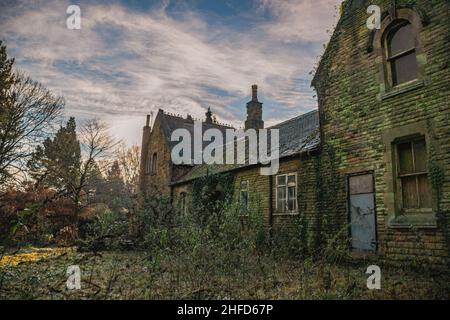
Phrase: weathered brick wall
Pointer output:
(311, 186)
(158, 183)
(259, 189)
(354, 118)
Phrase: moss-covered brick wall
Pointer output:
(360, 116)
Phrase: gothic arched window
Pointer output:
(401, 53)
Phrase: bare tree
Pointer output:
(97, 147)
(27, 115)
(129, 159)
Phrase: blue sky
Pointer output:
(132, 57)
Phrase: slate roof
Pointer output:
(296, 136)
(172, 122)
(299, 134)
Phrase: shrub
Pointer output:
(105, 231)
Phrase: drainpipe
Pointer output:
(270, 206)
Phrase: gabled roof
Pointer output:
(170, 123)
(296, 136)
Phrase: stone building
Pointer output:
(376, 154)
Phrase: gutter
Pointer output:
(305, 153)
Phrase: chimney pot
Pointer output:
(254, 92)
(147, 123)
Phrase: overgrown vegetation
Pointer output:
(222, 255)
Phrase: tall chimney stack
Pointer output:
(146, 132)
(254, 92)
(254, 111)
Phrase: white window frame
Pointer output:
(286, 186)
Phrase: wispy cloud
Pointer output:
(125, 63)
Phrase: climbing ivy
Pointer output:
(327, 218)
(436, 177)
(210, 193)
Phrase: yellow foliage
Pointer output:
(36, 254)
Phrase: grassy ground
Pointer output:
(137, 275)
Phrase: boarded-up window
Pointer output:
(412, 174)
(286, 192)
(401, 54)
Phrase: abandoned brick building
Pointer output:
(376, 153)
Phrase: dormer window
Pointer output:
(401, 53)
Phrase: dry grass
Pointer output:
(138, 275)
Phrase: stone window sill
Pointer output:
(286, 214)
(418, 220)
(403, 88)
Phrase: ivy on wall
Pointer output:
(436, 177)
(327, 219)
(210, 193)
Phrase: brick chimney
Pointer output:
(146, 132)
(254, 111)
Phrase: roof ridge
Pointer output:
(192, 119)
(294, 118)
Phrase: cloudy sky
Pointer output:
(132, 57)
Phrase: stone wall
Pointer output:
(158, 182)
(360, 117)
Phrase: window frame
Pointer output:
(390, 60)
(287, 185)
(377, 46)
(154, 162)
(399, 176)
(246, 190)
(395, 218)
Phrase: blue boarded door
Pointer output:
(362, 213)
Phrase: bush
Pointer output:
(108, 230)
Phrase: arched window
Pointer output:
(154, 162)
(401, 53)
